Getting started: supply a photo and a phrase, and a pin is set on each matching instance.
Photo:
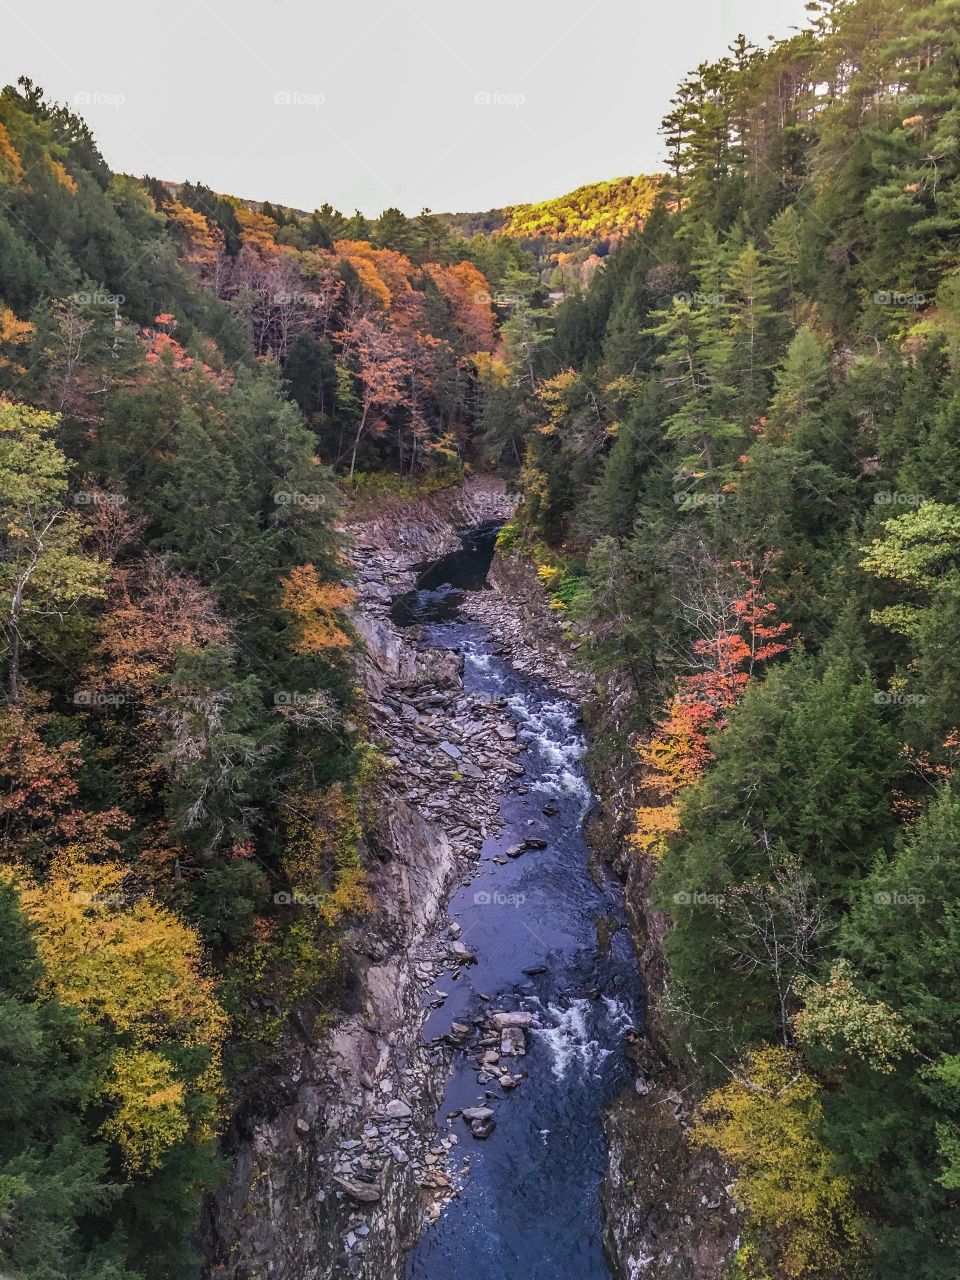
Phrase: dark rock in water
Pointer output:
(516, 850)
(481, 1120)
(535, 842)
(367, 1192)
(535, 970)
(550, 810)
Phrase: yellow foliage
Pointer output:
(597, 210)
(766, 1122)
(837, 1017)
(131, 964)
(491, 369)
(150, 1115)
(654, 825)
(313, 605)
(136, 970)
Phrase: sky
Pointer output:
(368, 104)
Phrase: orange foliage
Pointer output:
(465, 288)
(153, 612)
(313, 607)
(13, 333)
(201, 242)
(60, 174)
(257, 231)
(11, 166)
(384, 274)
(678, 751)
(39, 790)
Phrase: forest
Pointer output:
(734, 441)
(183, 379)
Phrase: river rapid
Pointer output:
(548, 932)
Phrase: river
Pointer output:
(549, 936)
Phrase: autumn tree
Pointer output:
(45, 578)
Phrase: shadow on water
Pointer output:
(440, 584)
(550, 938)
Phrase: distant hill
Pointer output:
(596, 211)
(569, 235)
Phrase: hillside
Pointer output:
(569, 235)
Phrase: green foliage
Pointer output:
(768, 372)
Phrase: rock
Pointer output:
(501, 1018)
(512, 1043)
(455, 930)
(462, 953)
(397, 1109)
(535, 970)
(367, 1192)
(459, 1029)
(490, 1058)
(481, 1120)
(516, 850)
(473, 1114)
(302, 1126)
(449, 749)
(535, 842)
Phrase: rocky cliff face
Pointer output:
(334, 1177)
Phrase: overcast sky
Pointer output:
(371, 103)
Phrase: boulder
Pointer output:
(502, 1018)
(512, 1043)
(397, 1109)
(368, 1192)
